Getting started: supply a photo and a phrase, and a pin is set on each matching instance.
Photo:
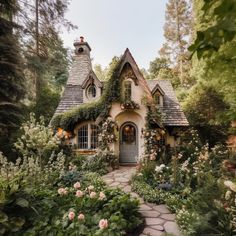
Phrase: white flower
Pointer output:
(230, 185)
(162, 166)
(228, 195)
(158, 169)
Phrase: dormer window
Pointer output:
(127, 90)
(91, 91)
(158, 98)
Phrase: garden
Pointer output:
(47, 191)
(196, 182)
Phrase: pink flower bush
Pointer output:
(79, 193)
(92, 195)
(71, 215)
(77, 185)
(102, 196)
(103, 223)
(81, 217)
(62, 191)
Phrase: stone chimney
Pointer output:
(81, 47)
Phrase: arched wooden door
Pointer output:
(128, 143)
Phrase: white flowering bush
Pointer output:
(37, 139)
(186, 219)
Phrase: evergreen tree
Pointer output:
(11, 75)
(46, 58)
(177, 31)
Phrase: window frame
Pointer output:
(90, 94)
(128, 90)
(91, 139)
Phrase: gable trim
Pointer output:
(91, 76)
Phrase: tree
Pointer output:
(214, 51)
(11, 75)
(45, 55)
(156, 65)
(177, 31)
(101, 74)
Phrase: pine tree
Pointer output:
(177, 31)
(11, 75)
(42, 21)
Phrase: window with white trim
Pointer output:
(88, 136)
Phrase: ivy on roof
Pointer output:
(92, 111)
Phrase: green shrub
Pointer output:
(95, 204)
(147, 192)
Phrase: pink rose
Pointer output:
(71, 215)
(81, 217)
(77, 185)
(103, 224)
(62, 191)
(102, 196)
(79, 193)
(92, 195)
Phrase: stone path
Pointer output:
(158, 219)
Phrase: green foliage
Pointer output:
(156, 65)
(98, 163)
(11, 75)
(93, 110)
(205, 108)
(147, 192)
(220, 30)
(95, 204)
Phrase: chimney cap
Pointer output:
(81, 39)
(78, 42)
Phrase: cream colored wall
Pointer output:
(136, 116)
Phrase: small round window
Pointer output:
(91, 91)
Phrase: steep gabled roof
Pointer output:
(90, 76)
(128, 58)
(174, 116)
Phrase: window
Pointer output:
(83, 137)
(157, 98)
(129, 134)
(91, 91)
(88, 137)
(94, 136)
(127, 90)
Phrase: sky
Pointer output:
(111, 26)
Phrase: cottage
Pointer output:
(139, 108)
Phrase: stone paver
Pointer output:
(158, 219)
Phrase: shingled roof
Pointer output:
(80, 70)
(174, 116)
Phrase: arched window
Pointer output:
(88, 136)
(91, 91)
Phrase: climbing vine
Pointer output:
(92, 111)
(153, 133)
